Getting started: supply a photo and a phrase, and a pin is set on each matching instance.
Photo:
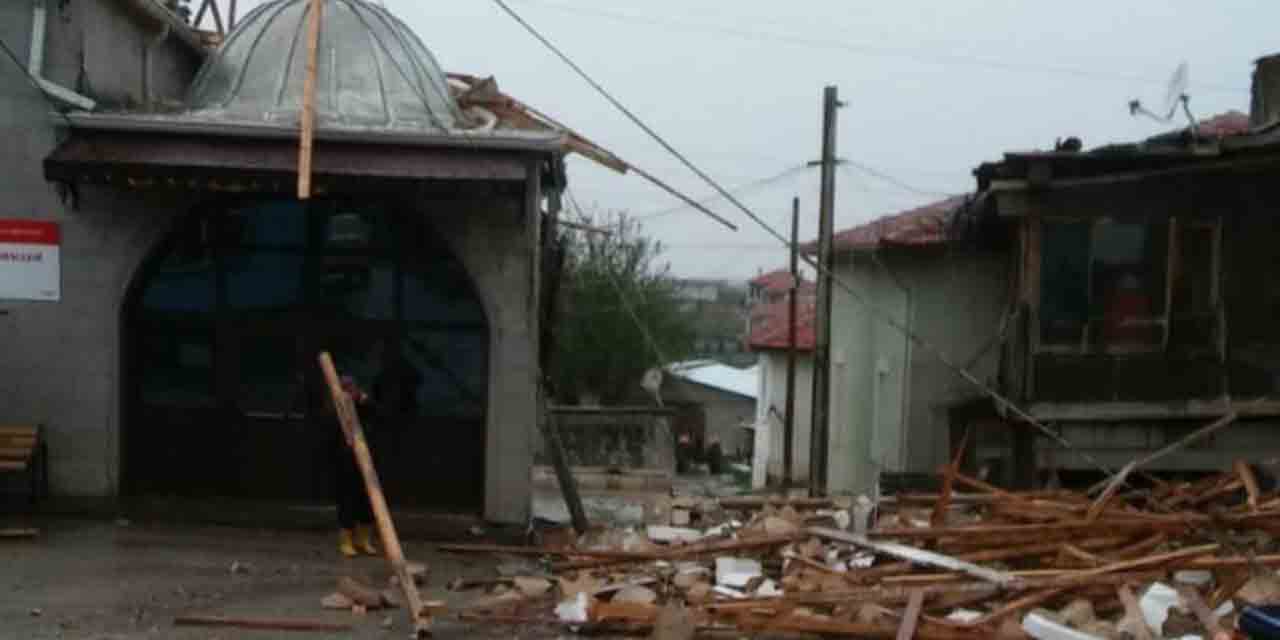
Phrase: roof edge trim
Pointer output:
(550, 142)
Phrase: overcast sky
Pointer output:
(933, 88)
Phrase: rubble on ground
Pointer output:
(1173, 560)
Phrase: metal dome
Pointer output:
(373, 72)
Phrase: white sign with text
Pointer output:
(30, 264)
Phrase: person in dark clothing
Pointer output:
(355, 514)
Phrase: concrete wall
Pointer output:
(61, 363)
(773, 393)
(889, 397)
(495, 240)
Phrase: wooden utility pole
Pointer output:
(309, 100)
(789, 420)
(821, 417)
(354, 433)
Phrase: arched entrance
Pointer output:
(222, 327)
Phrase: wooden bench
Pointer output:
(23, 450)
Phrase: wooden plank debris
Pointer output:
(261, 624)
(1250, 482)
(350, 424)
(19, 533)
(360, 593)
(907, 575)
(564, 475)
(315, 10)
(939, 517)
(915, 555)
(907, 630)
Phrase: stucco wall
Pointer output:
(773, 393)
(889, 397)
(61, 360)
(496, 243)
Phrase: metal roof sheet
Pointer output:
(723, 377)
(372, 71)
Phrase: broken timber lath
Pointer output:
(996, 563)
(354, 433)
(305, 149)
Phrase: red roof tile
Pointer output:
(921, 226)
(770, 328)
(1231, 123)
(777, 280)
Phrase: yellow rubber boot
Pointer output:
(345, 546)
(364, 541)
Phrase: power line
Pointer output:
(897, 182)
(868, 49)
(915, 339)
(741, 189)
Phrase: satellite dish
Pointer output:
(1179, 82)
(1175, 96)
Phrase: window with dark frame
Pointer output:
(1127, 285)
(228, 268)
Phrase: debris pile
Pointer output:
(1175, 560)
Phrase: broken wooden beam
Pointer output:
(1189, 439)
(907, 629)
(354, 432)
(1133, 617)
(1250, 482)
(307, 136)
(939, 516)
(260, 624)
(360, 593)
(915, 555)
(564, 475)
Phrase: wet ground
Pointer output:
(117, 581)
(123, 580)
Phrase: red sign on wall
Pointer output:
(30, 260)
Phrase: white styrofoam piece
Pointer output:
(1156, 602)
(963, 615)
(729, 593)
(768, 589)
(737, 572)
(1042, 628)
(663, 533)
(575, 610)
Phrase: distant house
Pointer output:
(891, 402)
(720, 311)
(716, 401)
(1120, 296)
(770, 339)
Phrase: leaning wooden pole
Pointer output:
(350, 421)
(309, 100)
(789, 420)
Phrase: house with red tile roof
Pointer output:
(769, 338)
(1113, 294)
(905, 274)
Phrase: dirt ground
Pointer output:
(124, 581)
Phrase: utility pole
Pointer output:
(821, 420)
(789, 421)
